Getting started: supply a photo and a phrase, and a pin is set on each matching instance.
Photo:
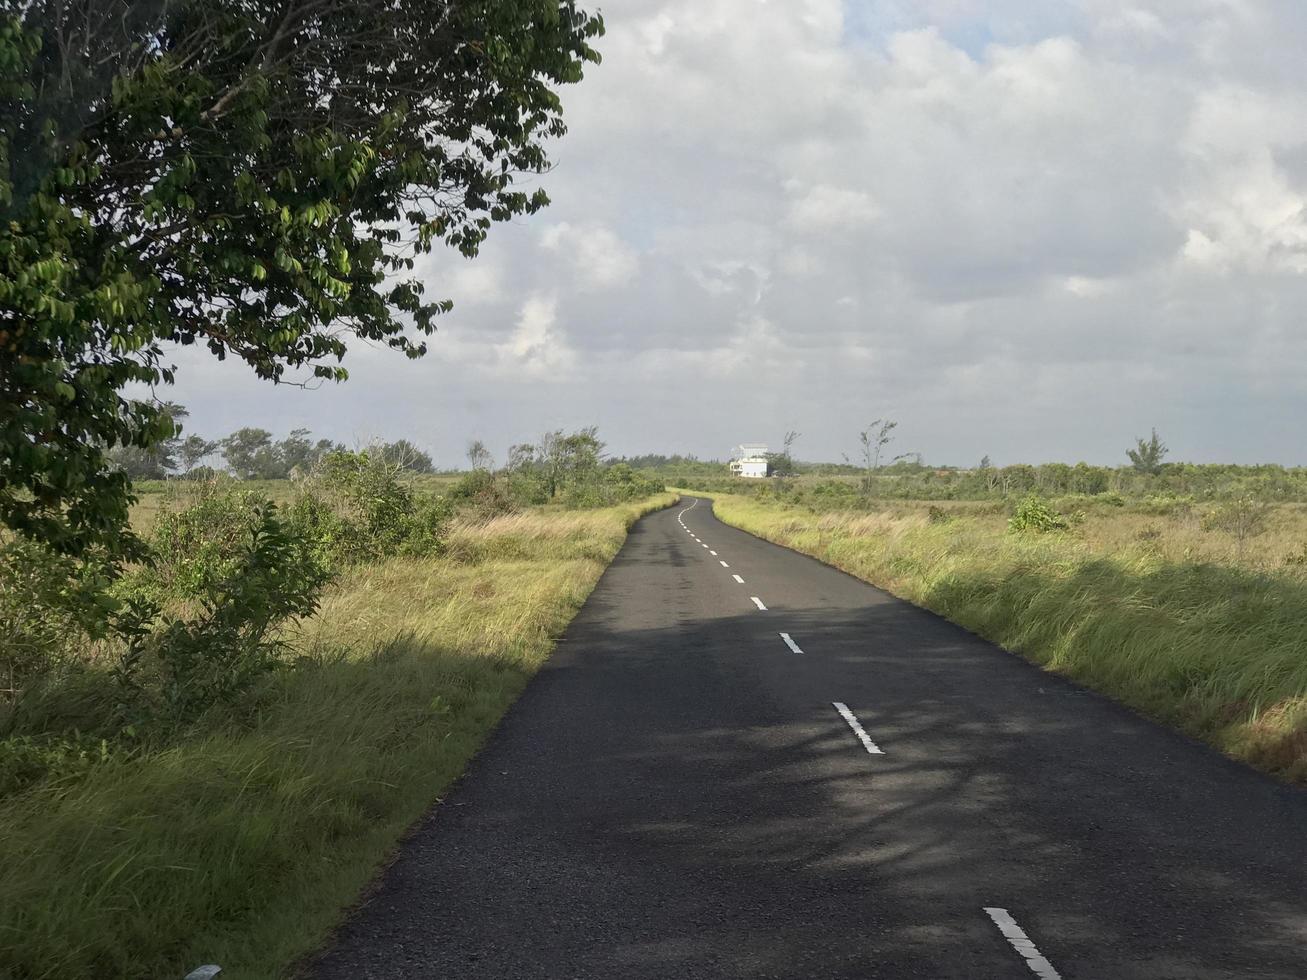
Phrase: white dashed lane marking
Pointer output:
(1014, 934)
(713, 553)
(858, 730)
(756, 601)
(789, 642)
(738, 579)
(722, 563)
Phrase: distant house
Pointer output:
(749, 461)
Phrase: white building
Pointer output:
(749, 460)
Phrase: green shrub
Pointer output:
(202, 544)
(25, 759)
(51, 606)
(176, 666)
(357, 507)
(1243, 518)
(1033, 514)
(1166, 505)
(608, 486)
(487, 494)
(938, 515)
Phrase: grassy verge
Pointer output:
(1213, 646)
(242, 844)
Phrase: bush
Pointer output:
(608, 486)
(25, 759)
(235, 600)
(488, 495)
(1034, 514)
(835, 489)
(357, 508)
(51, 606)
(938, 515)
(195, 548)
(1243, 518)
(1166, 505)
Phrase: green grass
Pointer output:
(242, 844)
(1175, 622)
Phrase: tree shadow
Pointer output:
(684, 801)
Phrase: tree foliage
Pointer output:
(251, 453)
(782, 464)
(405, 456)
(1148, 454)
(248, 176)
(871, 444)
(152, 462)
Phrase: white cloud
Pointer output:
(1036, 227)
(538, 347)
(822, 208)
(598, 258)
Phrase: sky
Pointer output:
(1028, 229)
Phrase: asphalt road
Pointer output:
(679, 794)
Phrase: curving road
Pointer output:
(743, 763)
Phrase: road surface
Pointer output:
(743, 763)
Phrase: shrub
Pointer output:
(1166, 505)
(938, 515)
(50, 606)
(175, 666)
(203, 544)
(1033, 514)
(610, 485)
(25, 759)
(835, 488)
(489, 496)
(356, 507)
(1243, 518)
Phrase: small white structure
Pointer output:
(749, 460)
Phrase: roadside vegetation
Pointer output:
(206, 754)
(1190, 608)
(221, 701)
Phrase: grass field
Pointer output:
(1139, 602)
(242, 844)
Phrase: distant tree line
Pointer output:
(249, 454)
(877, 472)
(568, 468)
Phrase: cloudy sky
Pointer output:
(1027, 228)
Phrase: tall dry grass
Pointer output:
(1139, 602)
(242, 844)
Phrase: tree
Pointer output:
(297, 453)
(251, 176)
(478, 456)
(250, 453)
(1147, 455)
(781, 464)
(569, 459)
(872, 441)
(152, 462)
(1243, 518)
(406, 456)
(521, 456)
(193, 450)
